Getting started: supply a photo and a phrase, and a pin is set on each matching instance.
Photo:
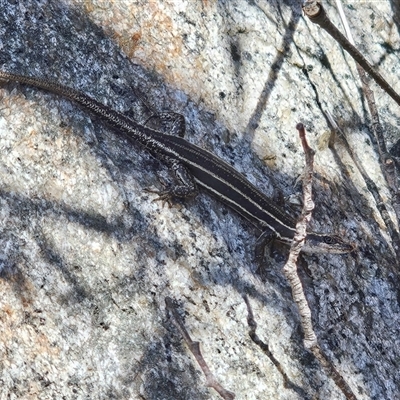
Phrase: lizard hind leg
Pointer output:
(263, 242)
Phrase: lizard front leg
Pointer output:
(186, 186)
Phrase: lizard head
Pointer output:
(321, 243)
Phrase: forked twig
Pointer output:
(194, 347)
(290, 271)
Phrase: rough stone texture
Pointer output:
(87, 258)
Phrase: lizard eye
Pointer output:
(329, 240)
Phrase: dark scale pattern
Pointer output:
(212, 173)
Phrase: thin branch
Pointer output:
(317, 14)
(290, 271)
(194, 347)
(371, 185)
(251, 322)
(290, 268)
(387, 163)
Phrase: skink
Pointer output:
(194, 166)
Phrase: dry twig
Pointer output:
(371, 185)
(290, 271)
(251, 322)
(194, 347)
(387, 163)
(290, 268)
(317, 14)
